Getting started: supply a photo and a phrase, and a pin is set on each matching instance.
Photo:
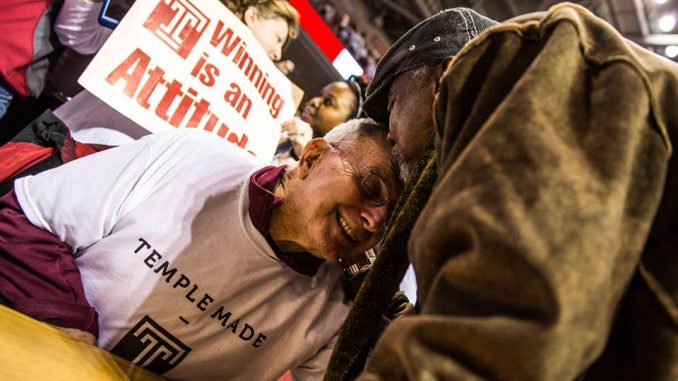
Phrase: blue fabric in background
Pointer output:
(6, 95)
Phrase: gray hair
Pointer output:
(354, 130)
(343, 136)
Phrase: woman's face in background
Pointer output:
(270, 32)
(334, 105)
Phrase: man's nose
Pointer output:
(373, 217)
(390, 138)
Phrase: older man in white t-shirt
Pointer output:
(201, 262)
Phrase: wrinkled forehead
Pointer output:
(375, 152)
(410, 83)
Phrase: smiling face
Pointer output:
(338, 200)
(334, 105)
(410, 102)
(270, 32)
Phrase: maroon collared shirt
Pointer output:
(262, 203)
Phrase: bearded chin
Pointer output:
(404, 168)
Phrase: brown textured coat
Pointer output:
(548, 248)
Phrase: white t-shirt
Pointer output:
(183, 282)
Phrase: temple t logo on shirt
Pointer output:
(151, 346)
(178, 23)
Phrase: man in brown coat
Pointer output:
(542, 200)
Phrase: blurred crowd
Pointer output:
(349, 35)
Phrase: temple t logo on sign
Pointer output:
(178, 23)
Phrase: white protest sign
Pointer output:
(192, 64)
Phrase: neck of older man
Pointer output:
(285, 228)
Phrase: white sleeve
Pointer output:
(81, 201)
(77, 26)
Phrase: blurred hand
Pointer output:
(298, 132)
(400, 306)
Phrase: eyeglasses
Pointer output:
(372, 187)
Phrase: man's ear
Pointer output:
(250, 16)
(310, 155)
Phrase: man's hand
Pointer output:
(400, 306)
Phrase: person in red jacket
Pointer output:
(26, 43)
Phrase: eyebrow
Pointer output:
(331, 96)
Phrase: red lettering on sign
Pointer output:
(132, 69)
